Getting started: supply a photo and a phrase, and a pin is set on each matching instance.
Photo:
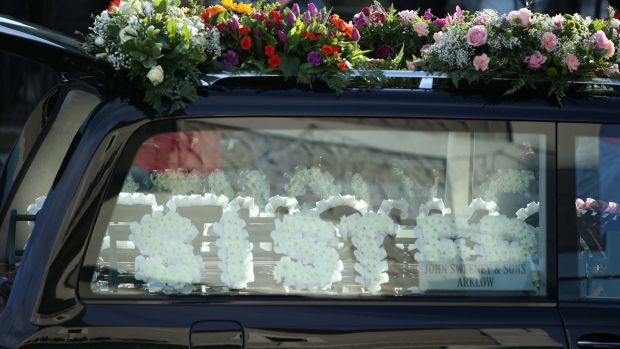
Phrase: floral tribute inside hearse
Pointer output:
(328, 208)
(159, 49)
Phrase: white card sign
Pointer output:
(502, 276)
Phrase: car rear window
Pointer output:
(328, 207)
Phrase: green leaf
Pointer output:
(519, 84)
(396, 61)
(172, 28)
(290, 65)
(185, 33)
(160, 6)
(597, 24)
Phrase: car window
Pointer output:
(327, 207)
(590, 240)
(36, 158)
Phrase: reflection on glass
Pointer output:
(331, 208)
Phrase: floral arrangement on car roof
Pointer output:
(162, 47)
(313, 45)
(528, 47)
(157, 46)
(387, 36)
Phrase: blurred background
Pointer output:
(23, 83)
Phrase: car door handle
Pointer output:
(588, 344)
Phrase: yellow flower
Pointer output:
(238, 7)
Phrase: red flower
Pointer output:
(312, 36)
(336, 48)
(336, 55)
(275, 15)
(246, 43)
(221, 27)
(270, 50)
(116, 3)
(244, 30)
(617, 15)
(327, 50)
(274, 61)
(342, 66)
(303, 34)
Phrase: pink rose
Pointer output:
(572, 62)
(612, 70)
(580, 204)
(477, 35)
(549, 41)
(611, 49)
(612, 208)
(421, 28)
(600, 39)
(438, 36)
(481, 63)
(522, 17)
(535, 61)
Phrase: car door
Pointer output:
(589, 252)
(321, 232)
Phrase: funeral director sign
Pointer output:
(501, 276)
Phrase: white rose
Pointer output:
(131, 7)
(127, 33)
(99, 41)
(156, 75)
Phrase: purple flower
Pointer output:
(355, 36)
(290, 17)
(428, 15)
(319, 16)
(230, 59)
(234, 24)
(296, 10)
(312, 9)
(378, 17)
(256, 33)
(314, 58)
(366, 11)
(281, 36)
(360, 20)
(441, 22)
(307, 18)
(384, 52)
(257, 16)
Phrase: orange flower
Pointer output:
(333, 19)
(327, 50)
(349, 30)
(274, 61)
(270, 50)
(246, 43)
(342, 66)
(342, 25)
(210, 12)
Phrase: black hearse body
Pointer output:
(81, 142)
